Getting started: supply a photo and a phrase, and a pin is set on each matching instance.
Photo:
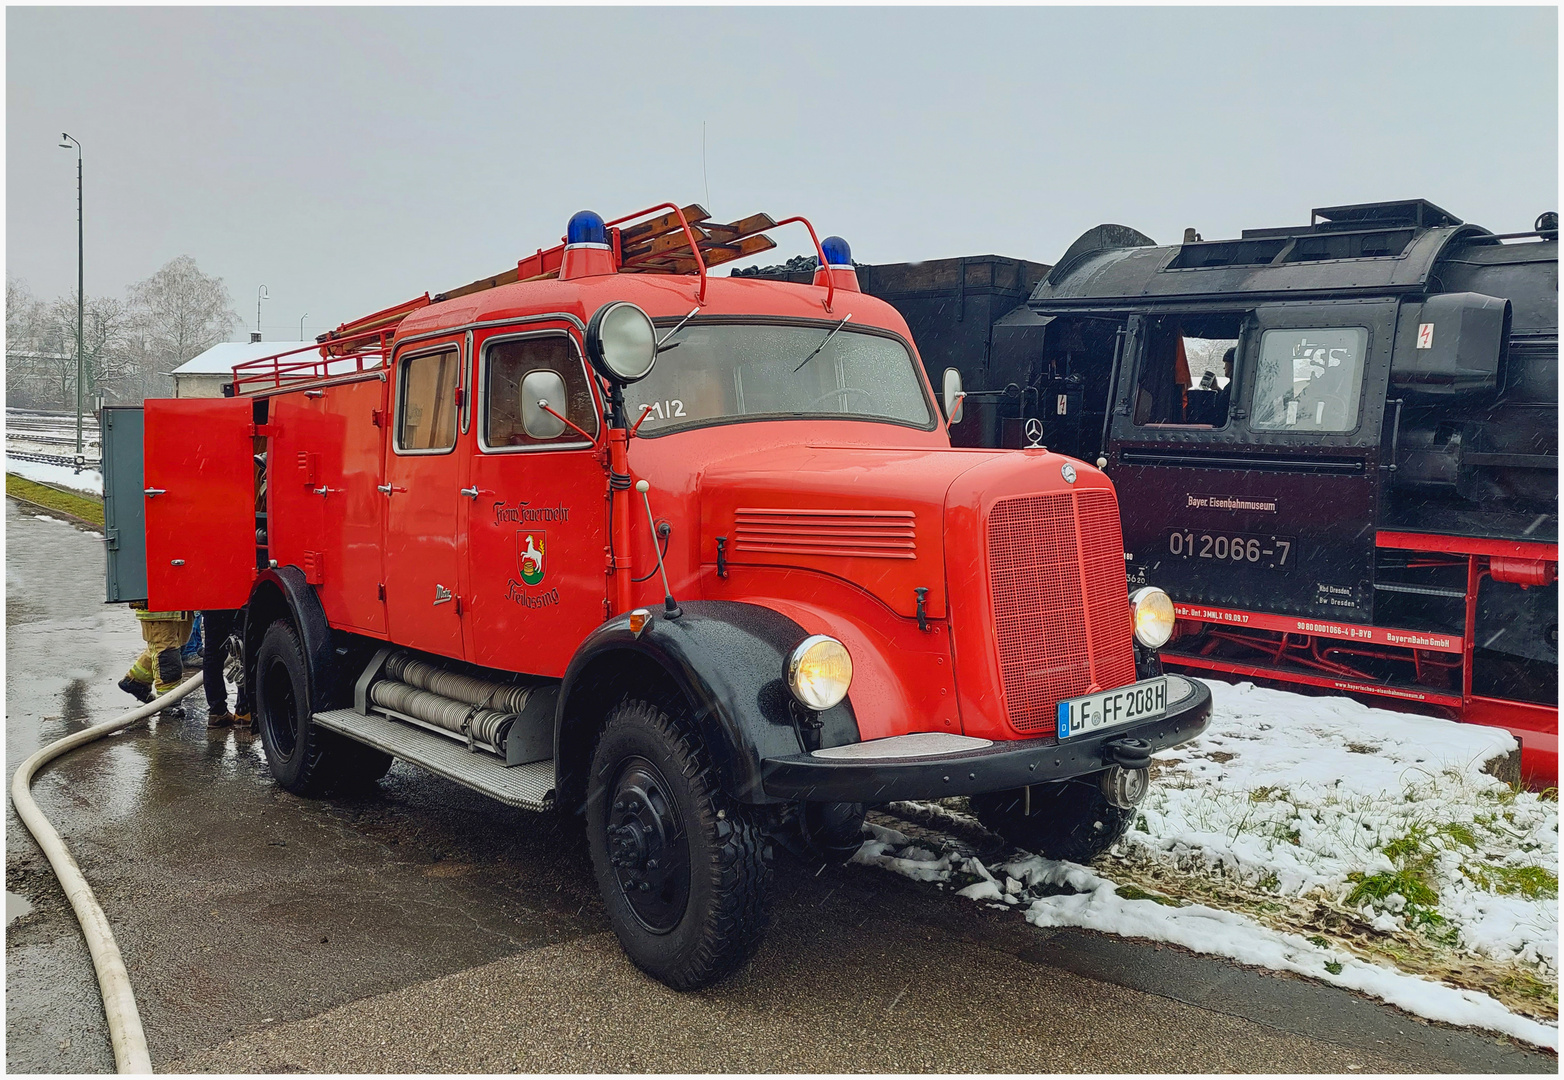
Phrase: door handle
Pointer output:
(442, 595)
(471, 492)
(388, 489)
(150, 492)
(322, 491)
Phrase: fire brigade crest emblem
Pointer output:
(531, 544)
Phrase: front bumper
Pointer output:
(1000, 766)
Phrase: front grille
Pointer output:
(1061, 603)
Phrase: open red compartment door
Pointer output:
(200, 502)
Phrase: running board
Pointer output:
(529, 787)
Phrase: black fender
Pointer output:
(729, 662)
(282, 592)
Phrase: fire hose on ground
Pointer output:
(119, 1003)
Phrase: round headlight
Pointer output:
(1151, 609)
(621, 342)
(819, 671)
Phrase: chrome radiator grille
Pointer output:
(1060, 601)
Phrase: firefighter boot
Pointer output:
(136, 689)
(220, 719)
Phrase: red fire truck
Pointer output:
(690, 559)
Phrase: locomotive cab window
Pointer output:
(426, 414)
(519, 373)
(1186, 370)
(1309, 380)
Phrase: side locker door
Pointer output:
(124, 505)
(199, 473)
(425, 471)
(537, 530)
(326, 516)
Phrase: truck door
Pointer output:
(1260, 495)
(199, 470)
(124, 504)
(426, 468)
(537, 524)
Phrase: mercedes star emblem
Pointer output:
(1034, 433)
(1068, 472)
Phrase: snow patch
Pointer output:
(1292, 796)
(89, 481)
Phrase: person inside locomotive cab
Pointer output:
(1178, 383)
(1224, 396)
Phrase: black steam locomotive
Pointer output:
(1335, 445)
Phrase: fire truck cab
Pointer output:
(690, 559)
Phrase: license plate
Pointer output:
(1127, 704)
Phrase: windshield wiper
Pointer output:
(822, 345)
(662, 344)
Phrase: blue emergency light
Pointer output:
(585, 228)
(837, 253)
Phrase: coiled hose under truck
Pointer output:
(119, 1003)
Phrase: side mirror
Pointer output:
(538, 387)
(621, 343)
(955, 397)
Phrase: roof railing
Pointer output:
(368, 351)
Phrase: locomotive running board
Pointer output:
(528, 787)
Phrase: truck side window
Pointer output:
(506, 364)
(1309, 380)
(426, 417)
(1186, 368)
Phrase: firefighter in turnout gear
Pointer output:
(158, 669)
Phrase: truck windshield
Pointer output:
(724, 372)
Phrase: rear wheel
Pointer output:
(1070, 820)
(683, 872)
(304, 758)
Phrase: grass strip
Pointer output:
(71, 504)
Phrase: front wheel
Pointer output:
(1071, 819)
(304, 758)
(683, 872)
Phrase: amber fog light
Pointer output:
(1151, 609)
(819, 672)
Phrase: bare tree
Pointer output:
(36, 355)
(179, 312)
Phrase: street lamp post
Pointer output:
(260, 294)
(301, 324)
(81, 299)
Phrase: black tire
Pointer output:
(303, 757)
(1070, 820)
(684, 873)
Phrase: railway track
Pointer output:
(53, 459)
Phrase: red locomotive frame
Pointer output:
(1315, 652)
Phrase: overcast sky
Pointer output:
(351, 158)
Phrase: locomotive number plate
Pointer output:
(1127, 704)
(1240, 549)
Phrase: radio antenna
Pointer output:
(704, 179)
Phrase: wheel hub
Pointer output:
(647, 846)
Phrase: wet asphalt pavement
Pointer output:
(421, 927)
